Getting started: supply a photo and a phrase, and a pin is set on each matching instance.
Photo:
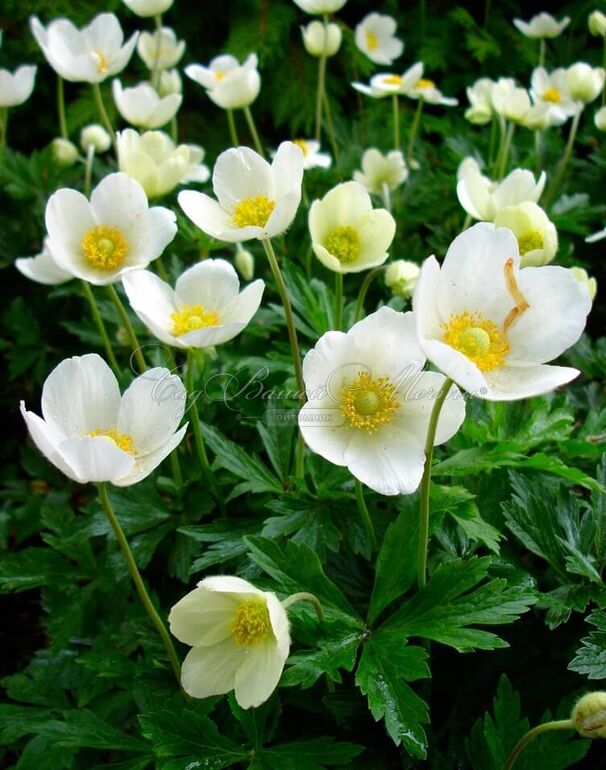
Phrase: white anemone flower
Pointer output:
(92, 433)
(89, 55)
(479, 95)
(552, 89)
(427, 90)
(482, 198)
(254, 199)
(160, 50)
(320, 40)
(536, 234)
(42, 268)
(401, 277)
(141, 106)
(542, 25)
(585, 83)
(510, 101)
(376, 37)
(597, 24)
(387, 83)
(493, 327)
(16, 87)
(320, 6)
(169, 82)
(239, 636)
(206, 307)
(347, 234)
(369, 402)
(229, 84)
(312, 156)
(146, 8)
(599, 236)
(381, 171)
(116, 232)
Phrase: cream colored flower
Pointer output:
(42, 268)
(142, 107)
(401, 277)
(320, 6)
(245, 262)
(347, 234)
(380, 171)
(312, 157)
(551, 89)
(321, 41)
(536, 234)
(95, 136)
(480, 98)
(388, 84)
(65, 153)
(597, 24)
(147, 8)
(229, 84)
(581, 276)
(160, 50)
(428, 91)
(169, 82)
(375, 37)
(17, 87)
(600, 119)
(585, 83)
(239, 636)
(509, 101)
(542, 25)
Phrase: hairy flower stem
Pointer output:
(562, 724)
(303, 596)
(138, 581)
(155, 73)
(395, 101)
(233, 134)
(426, 484)
(253, 131)
(559, 175)
(130, 332)
(502, 167)
(413, 131)
(365, 515)
(88, 169)
(338, 301)
(364, 291)
(321, 79)
(90, 298)
(330, 126)
(61, 108)
(103, 114)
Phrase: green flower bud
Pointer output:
(589, 715)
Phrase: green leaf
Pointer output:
(83, 728)
(590, 659)
(35, 567)
(308, 755)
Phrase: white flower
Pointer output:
(42, 268)
(160, 50)
(89, 55)
(95, 136)
(228, 83)
(480, 98)
(552, 89)
(17, 87)
(141, 106)
(156, 163)
(245, 262)
(401, 277)
(542, 25)
(585, 83)
(600, 235)
(92, 433)
(206, 307)
(347, 234)
(65, 153)
(428, 91)
(536, 235)
(540, 116)
(116, 232)
(374, 400)
(312, 157)
(169, 82)
(380, 171)
(482, 198)
(509, 101)
(600, 119)
(254, 199)
(492, 327)
(375, 37)
(146, 8)
(597, 24)
(320, 6)
(388, 84)
(320, 41)
(581, 276)
(239, 637)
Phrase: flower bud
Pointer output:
(597, 24)
(581, 276)
(536, 235)
(584, 82)
(319, 41)
(95, 136)
(589, 715)
(600, 119)
(401, 277)
(146, 8)
(160, 50)
(169, 82)
(65, 153)
(245, 262)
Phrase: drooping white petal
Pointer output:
(203, 617)
(206, 213)
(212, 670)
(42, 269)
(47, 439)
(259, 674)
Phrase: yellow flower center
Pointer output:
(424, 83)
(530, 241)
(102, 62)
(303, 145)
(477, 338)
(251, 623)
(253, 211)
(552, 95)
(191, 317)
(372, 41)
(122, 440)
(344, 244)
(392, 80)
(104, 247)
(368, 403)
(219, 75)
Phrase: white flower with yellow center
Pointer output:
(401, 277)
(89, 55)
(92, 433)
(239, 636)
(585, 83)
(381, 171)
(206, 307)
(482, 198)
(320, 40)
(542, 25)
(160, 50)
(427, 90)
(479, 95)
(116, 232)
(312, 157)
(376, 37)
(254, 199)
(509, 101)
(388, 83)
(347, 234)
(552, 89)
(369, 402)
(493, 327)
(320, 6)
(16, 87)
(42, 268)
(141, 106)
(229, 84)
(536, 234)
(146, 8)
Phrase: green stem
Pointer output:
(502, 134)
(253, 131)
(3, 130)
(604, 66)
(88, 169)
(396, 121)
(138, 581)
(365, 516)
(426, 483)
(562, 724)
(386, 197)
(331, 128)
(493, 137)
(174, 130)
(90, 297)
(103, 113)
(155, 74)
(161, 268)
(364, 291)
(304, 596)
(555, 184)
(413, 130)
(506, 148)
(338, 301)
(175, 463)
(542, 49)
(134, 342)
(61, 107)
(321, 78)
(538, 141)
(300, 457)
(233, 134)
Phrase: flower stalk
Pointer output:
(130, 332)
(562, 724)
(321, 79)
(94, 309)
(413, 131)
(253, 131)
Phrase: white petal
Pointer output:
(341, 206)
(47, 439)
(161, 228)
(241, 173)
(148, 463)
(230, 584)
(206, 213)
(245, 305)
(120, 201)
(418, 398)
(259, 674)
(323, 428)
(455, 365)
(96, 459)
(203, 617)
(42, 269)
(334, 357)
(213, 283)
(279, 623)
(68, 217)
(212, 670)
(512, 383)
(151, 298)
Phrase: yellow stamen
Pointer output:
(253, 211)
(392, 80)
(191, 317)
(478, 339)
(530, 241)
(344, 244)
(104, 247)
(122, 440)
(251, 623)
(424, 83)
(521, 305)
(219, 75)
(372, 41)
(303, 145)
(553, 95)
(102, 62)
(368, 403)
